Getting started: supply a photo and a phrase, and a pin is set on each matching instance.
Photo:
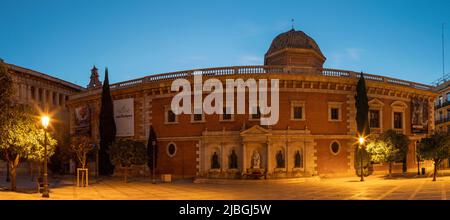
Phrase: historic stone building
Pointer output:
(45, 94)
(315, 134)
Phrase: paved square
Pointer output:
(375, 187)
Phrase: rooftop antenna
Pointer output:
(292, 20)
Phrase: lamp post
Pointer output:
(361, 141)
(153, 161)
(45, 122)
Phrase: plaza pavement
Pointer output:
(349, 188)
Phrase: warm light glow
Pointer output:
(45, 121)
(361, 140)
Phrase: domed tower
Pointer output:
(294, 48)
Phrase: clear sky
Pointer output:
(134, 38)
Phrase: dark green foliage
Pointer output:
(362, 126)
(362, 108)
(6, 88)
(125, 153)
(107, 128)
(152, 147)
(389, 147)
(435, 148)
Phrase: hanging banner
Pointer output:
(419, 116)
(83, 120)
(124, 117)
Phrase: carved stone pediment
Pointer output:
(255, 130)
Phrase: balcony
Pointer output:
(442, 120)
(441, 105)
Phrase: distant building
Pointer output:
(316, 133)
(442, 110)
(44, 93)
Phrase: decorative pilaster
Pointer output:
(244, 157)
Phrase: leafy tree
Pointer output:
(388, 147)
(22, 139)
(107, 128)
(435, 148)
(6, 94)
(362, 126)
(82, 146)
(126, 153)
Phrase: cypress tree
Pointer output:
(107, 128)
(362, 108)
(362, 125)
(151, 148)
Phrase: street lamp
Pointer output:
(361, 141)
(153, 161)
(45, 122)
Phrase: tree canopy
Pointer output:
(435, 148)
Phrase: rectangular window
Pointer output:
(448, 96)
(398, 120)
(334, 113)
(225, 115)
(257, 116)
(298, 112)
(374, 118)
(171, 117)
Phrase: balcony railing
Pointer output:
(247, 70)
(441, 105)
(442, 120)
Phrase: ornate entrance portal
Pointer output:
(273, 153)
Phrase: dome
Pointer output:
(293, 39)
(294, 48)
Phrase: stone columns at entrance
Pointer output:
(269, 161)
(244, 158)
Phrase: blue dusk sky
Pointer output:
(64, 38)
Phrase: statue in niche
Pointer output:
(233, 160)
(298, 160)
(280, 159)
(256, 160)
(215, 161)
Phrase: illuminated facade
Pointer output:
(315, 134)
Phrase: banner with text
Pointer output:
(124, 117)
